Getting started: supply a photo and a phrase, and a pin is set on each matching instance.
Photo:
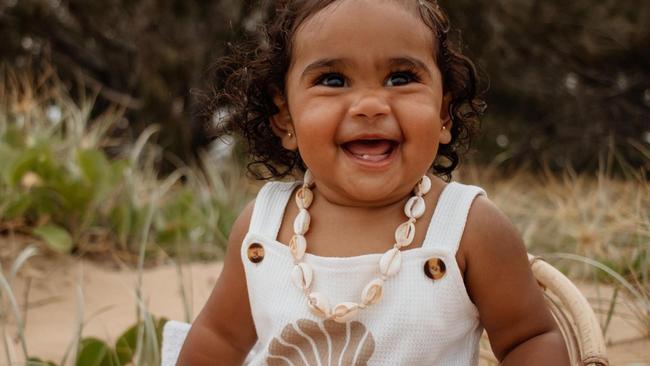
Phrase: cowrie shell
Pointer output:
(302, 276)
(424, 186)
(301, 223)
(390, 262)
(318, 304)
(304, 198)
(308, 179)
(405, 234)
(414, 207)
(345, 311)
(373, 292)
(298, 246)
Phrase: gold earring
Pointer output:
(290, 134)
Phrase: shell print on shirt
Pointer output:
(326, 343)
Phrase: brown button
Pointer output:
(435, 268)
(255, 252)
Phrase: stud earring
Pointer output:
(444, 128)
(290, 134)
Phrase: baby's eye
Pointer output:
(332, 80)
(401, 78)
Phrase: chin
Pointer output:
(375, 193)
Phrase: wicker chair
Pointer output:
(571, 310)
(573, 314)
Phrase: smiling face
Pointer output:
(364, 101)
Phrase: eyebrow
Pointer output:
(324, 63)
(410, 62)
(394, 62)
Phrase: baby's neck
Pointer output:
(341, 230)
(357, 212)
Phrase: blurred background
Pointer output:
(568, 81)
(107, 177)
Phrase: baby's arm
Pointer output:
(224, 332)
(520, 327)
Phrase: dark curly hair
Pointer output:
(245, 81)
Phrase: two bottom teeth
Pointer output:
(372, 157)
(370, 150)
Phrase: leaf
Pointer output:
(121, 222)
(35, 361)
(73, 196)
(17, 207)
(38, 159)
(96, 169)
(118, 168)
(94, 352)
(56, 237)
(15, 137)
(160, 326)
(126, 345)
(7, 158)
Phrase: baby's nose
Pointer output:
(370, 105)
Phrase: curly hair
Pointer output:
(245, 81)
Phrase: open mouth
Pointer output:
(372, 150)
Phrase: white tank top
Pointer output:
(419, 320)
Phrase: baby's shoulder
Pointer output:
(487, 222)
(489, 236)
(240, 227)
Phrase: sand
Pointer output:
(51, 286)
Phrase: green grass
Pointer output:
(58, 183)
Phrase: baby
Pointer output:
(373, 257)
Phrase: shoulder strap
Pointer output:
(449, 218)
(270, 204)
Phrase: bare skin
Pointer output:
(499, 281)
(223, 332)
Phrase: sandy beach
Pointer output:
(51, 285)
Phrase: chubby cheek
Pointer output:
(421, 132)
(317, 120)
(421, 125)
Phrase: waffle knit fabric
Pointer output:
(419, 321)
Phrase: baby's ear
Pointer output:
(445, 119)
(282, 125)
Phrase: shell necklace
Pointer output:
(389, 264)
